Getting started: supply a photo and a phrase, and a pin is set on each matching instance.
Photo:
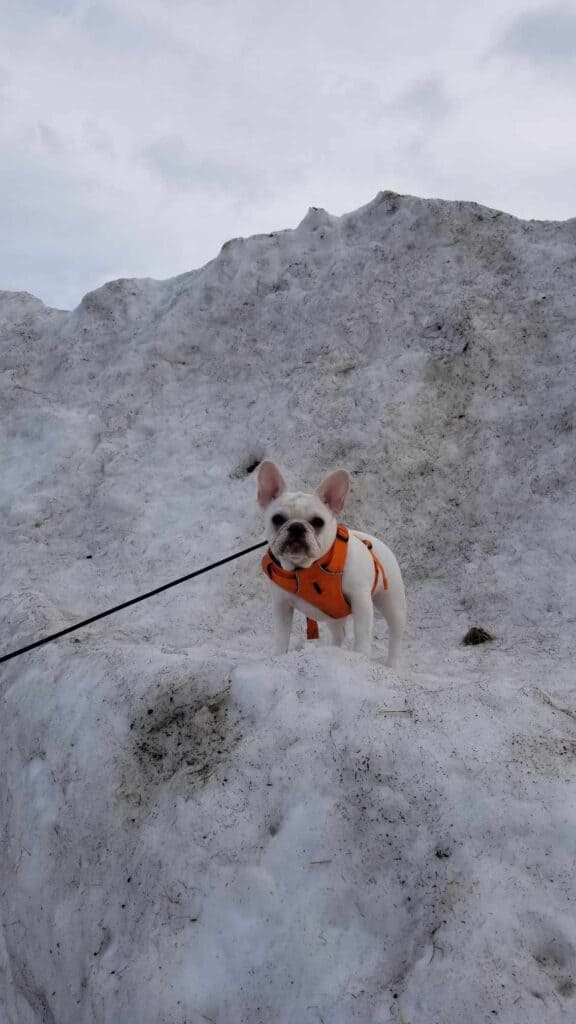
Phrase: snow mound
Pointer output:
(289, 838)
(195, 831)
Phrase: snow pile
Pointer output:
(195, 831)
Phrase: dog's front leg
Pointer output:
(337, 631)
(283, 612)
(363, 615)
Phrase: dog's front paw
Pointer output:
(280, 648)
(363, 649)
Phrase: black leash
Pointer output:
(134, 600)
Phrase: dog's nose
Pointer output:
(297, 529)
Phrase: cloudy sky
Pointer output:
(136, 136)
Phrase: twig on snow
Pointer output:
(401, 1017)
(434, 946)
(548, 700)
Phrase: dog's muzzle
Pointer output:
(297, 539)
(297, 531)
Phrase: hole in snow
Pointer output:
(247, 466)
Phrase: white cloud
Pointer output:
(547, 35)
(142, 134)
(426, 99)
(179, 167)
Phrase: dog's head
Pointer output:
(300, 527)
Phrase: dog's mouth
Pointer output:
(296, 549)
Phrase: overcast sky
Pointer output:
(136, 136)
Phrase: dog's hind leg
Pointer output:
(363, 618)
(393, 607)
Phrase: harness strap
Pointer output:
(378, 567)
(336, 558)
(312, 631)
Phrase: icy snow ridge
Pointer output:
(195, 831)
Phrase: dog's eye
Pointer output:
(278, 520)
(317, 523)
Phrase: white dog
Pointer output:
(322, 569)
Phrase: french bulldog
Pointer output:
(301, 529)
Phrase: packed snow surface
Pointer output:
(194, 830)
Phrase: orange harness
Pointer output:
(321, 584)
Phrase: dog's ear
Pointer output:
(271, 483)
(333, 491)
